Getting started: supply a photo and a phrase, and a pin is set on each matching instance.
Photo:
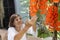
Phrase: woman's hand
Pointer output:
(33, 20)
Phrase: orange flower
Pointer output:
(42, 1)
(51, 1)
(31, 13)
(58, 23)
(52, 16)
(31, 1)
(56, 1)
(58, 29)
(33, 7)
(43, 7)
(43, 12)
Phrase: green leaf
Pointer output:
(49, 0)
(38, 15)
(59, 17)
(59, 13)
(59, 9)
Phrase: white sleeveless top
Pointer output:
(12, 32)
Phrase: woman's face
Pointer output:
(18, 21)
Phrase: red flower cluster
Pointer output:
(51, 13)
(58, 27)
(55, 1)
(52, 16)
(43, 6)
(33, 7)
(37, 4)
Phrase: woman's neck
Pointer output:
(18, 28)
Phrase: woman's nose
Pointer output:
(19, 20)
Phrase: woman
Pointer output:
(17, 30)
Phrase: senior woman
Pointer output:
(17, 30)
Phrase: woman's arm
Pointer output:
(27, 26)
(34, 19)
(34, 27)
(21, 33)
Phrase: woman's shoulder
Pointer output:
(11, 29)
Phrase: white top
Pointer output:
(12, 32)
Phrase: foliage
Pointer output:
(44, 33)
(42, 30)
(59, 12)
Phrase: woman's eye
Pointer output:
(16, 19)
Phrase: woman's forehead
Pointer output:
(18, 17)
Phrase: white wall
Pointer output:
(22, 8)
